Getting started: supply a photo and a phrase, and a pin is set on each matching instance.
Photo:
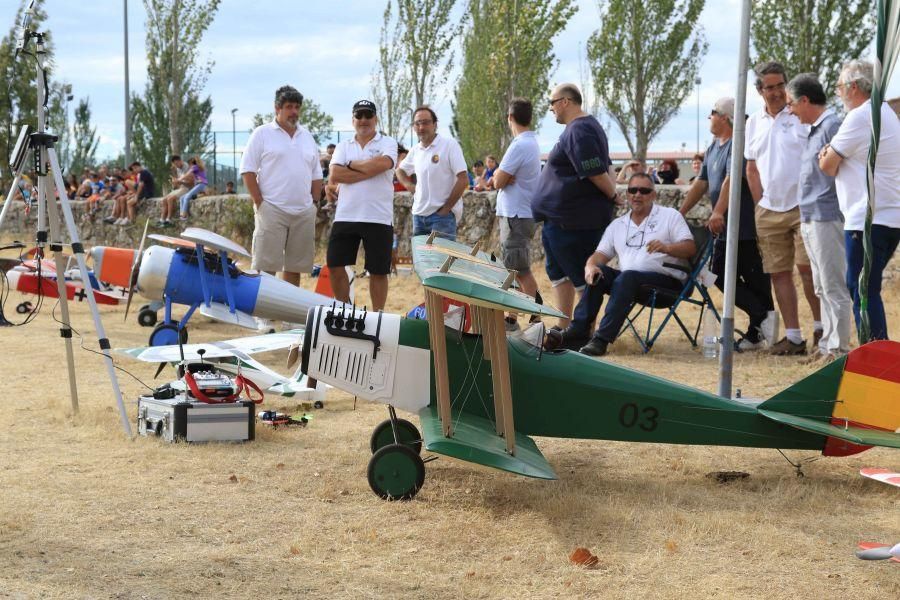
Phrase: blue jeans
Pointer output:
(623, 288)
(884, 243)
(566, 251)
(445, 226)
(185, 201)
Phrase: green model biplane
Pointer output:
(479, 395)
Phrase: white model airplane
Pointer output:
(874, 550)
(233, 356)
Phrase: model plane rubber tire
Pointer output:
(23, 307)
(383, 436)
(396, 472)
(166, 334)
(146, 317)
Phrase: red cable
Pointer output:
(243, 384)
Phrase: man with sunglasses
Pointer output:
(361, 182)
(753, 288)
(645, 240)
(441, 177)
(575, 196)
(775, 139)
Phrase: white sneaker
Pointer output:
(746, 345)
(264, 325)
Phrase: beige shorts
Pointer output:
(779, 239)
(283, 241)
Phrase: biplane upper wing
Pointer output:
(452, 269)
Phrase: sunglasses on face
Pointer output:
(644, 191)
(772, 88)
(363, 114)
(422, 123)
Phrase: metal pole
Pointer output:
(233, 143)
(698, 81)
(726, 361)
(127, 93)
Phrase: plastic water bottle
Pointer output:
(710, 340)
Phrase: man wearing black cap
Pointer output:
(361, 183)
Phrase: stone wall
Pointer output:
(232, 216)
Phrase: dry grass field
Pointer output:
(87, 513)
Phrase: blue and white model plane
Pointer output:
(197, 270)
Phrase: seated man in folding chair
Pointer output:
(645, 240)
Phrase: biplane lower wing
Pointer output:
(855, 435)
(475, 440)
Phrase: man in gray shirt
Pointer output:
(821, 223)
(753, 290)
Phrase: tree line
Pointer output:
(641, 64)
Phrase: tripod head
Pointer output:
(25, 33)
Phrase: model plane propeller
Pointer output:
(481, 396)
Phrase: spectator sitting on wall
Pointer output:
(696, 166)
(633, 168)
(490, 165)
(479, 183)
(668, 173)
(198, 174)
(229, 188)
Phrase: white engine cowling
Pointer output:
(360, 353)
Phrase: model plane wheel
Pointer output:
(396, 472)
(23, 307)
(383, 435)
(318, 404)
(146, 317)
(166, 334)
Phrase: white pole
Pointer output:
(734, 206)
(127, 94)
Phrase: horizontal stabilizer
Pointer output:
(855, 435)
(220, 312)
(475, 440)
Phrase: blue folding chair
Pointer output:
(654, 298)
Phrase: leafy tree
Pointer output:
(174, 31)
(319, 123)
(391, 83)
(171, 117)
(428, 32)
(812, 36)
(85, 137)
(644, 60)
(18, 92)
(507, 52)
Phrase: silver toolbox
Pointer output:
(179, 419)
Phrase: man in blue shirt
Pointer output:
(753, 289)
(517, 179)
(821, 222)
(575, 196)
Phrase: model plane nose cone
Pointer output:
(154, 271)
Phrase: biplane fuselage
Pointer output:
(480, 395)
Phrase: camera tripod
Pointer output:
(50, 184)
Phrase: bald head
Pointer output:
(565, 103)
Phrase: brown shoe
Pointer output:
(786, 347)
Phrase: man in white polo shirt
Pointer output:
(281, 171)
(847, 158)
(516, 179)
(441, 177)
(775, 140)
(361, 181)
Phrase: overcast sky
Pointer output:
(327, 50)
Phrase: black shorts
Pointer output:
(377, 239)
